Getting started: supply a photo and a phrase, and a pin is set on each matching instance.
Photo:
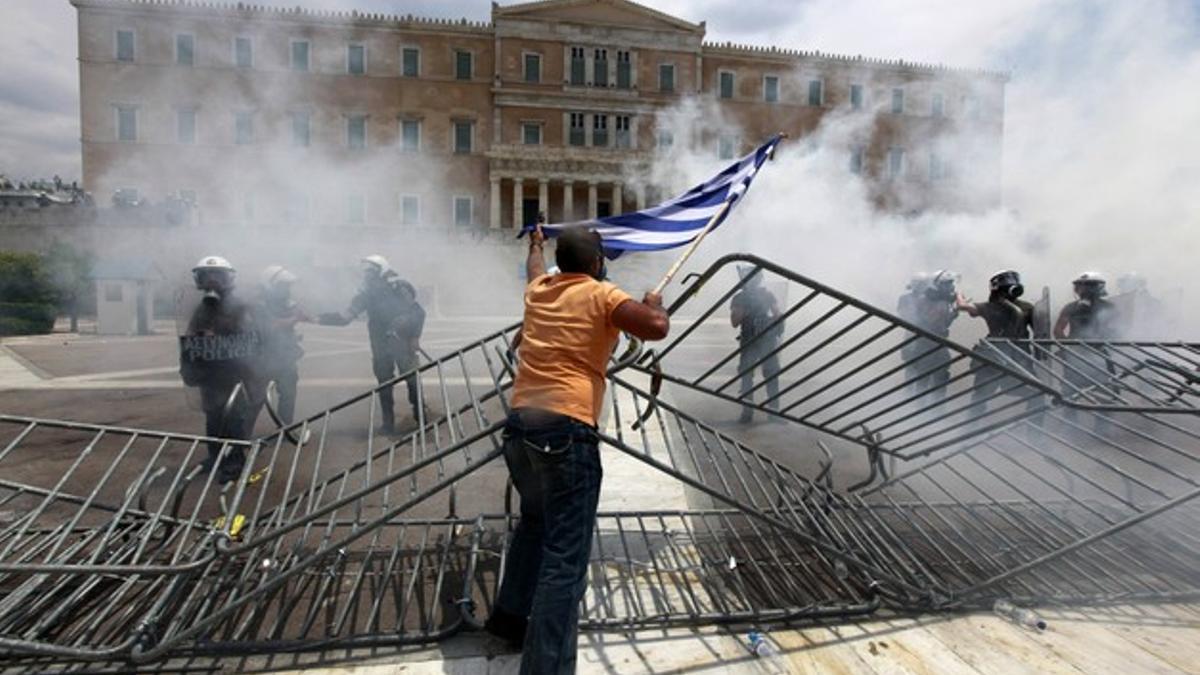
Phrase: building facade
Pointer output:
(275, 118)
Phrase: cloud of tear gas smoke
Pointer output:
(271, 203)
(1100, 162)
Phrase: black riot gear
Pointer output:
(395, 321)
(220, 352)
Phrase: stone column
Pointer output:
(617, 196)
(593, 200)
(568, 201)
(544, 197)
(518, 196)
(639, 196)
(494, 217)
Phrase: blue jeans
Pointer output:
(556, 469)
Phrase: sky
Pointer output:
(39, 81)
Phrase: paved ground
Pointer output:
(134, 382)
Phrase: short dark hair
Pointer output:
(577, 250)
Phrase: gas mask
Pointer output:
(213, 285)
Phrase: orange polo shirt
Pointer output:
(566, 340)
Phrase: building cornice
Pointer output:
(784, 55)
(525, 9)
(326, 17)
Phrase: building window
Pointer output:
(410, 135)
(296, 209)
(624, 138)
(464, 208)
(301, 129)
(895, 162)
(533, 68)
(725, 147)
(666, 77)
(726, 83)
(897, 101)
(463, 136)
(113, 293)
(970, 105)
(356, 209)
(300, 56)
(410, 210)
(856, 97)
(243, 128)
(856, 160)
(816, 92)
(771, 89)
(185, 50)
(600, 131)
(126, 124)
(664, 139)
(578, 131)
(356, 59)
(125, 45)
(578, 66)
(531, 133)
(600, 68)
(410, 62)
(356, 132)
(624, 69)
(937, 168)
(185, 126)
(939, 105)
(463, 65)
(243, 52)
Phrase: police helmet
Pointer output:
(275, 275)
(919, 282)
(1008, 281)
(213, 273)
(1090, 284)
(942, 285)
(375, 264)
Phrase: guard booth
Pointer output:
(125, 296)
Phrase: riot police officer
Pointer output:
(281, 343)
(753, 312)
(1089, 317)
(219, 354)
(1008, 317)
(930, 305)
(394, 323)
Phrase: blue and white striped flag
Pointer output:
(680, 220)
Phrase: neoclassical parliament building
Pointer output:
(286, 117)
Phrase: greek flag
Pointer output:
(680, 220)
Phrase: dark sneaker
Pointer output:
(508, 627)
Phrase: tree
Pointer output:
(69, 271)
(27, 295)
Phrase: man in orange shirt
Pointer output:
(572, 322)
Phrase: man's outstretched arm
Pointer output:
(535, 264)
(646, 319)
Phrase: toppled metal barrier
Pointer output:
(1061, 489)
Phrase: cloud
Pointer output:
(39, 90)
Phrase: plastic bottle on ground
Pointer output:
(1019, 615)
(768, 654)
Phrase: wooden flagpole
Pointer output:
(712, 222)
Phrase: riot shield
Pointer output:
(1042, 320)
